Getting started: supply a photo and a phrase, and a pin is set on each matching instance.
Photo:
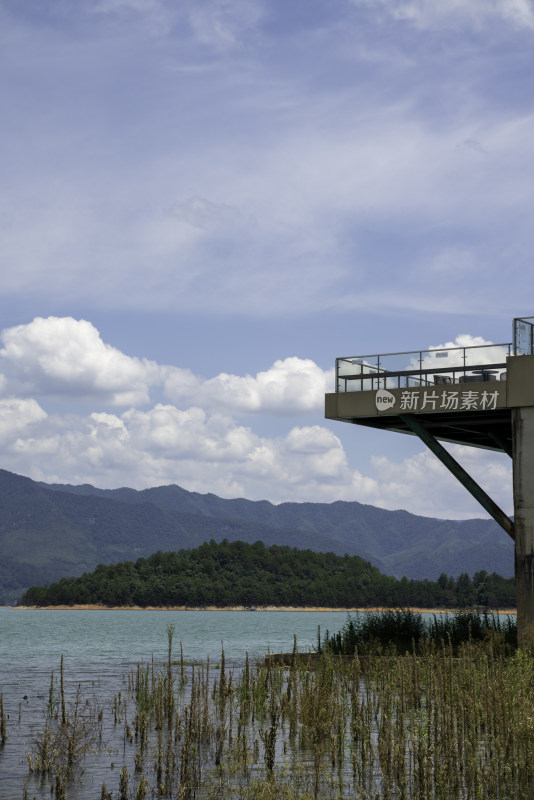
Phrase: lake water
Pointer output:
(36, 638)
(100, 647)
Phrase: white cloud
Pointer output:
(145, 8)
(206, 453)
(212, 453)
(452, 13)
(224, 23)
(315, 199)
(291, 386)
(284, 217)
(202, 446)
(189, 434)
(462, 340)
(464, 350)
(18, 416)
(422, 485)
(64, 357)
(358, 176)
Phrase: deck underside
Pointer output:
(491, 430)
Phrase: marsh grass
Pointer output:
(437, 724)
(405, 631)
(3, 726)
(447, 721)
(68, 735)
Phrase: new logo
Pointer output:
(384, 400)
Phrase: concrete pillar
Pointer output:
(523, 466)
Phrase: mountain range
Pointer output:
(50, 531)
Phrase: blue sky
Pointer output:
(202, 204)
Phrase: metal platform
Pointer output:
(491, 430)
(478, 396)
(462, 395)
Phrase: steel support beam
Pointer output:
(459, 472)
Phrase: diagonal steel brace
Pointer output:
(459, 472)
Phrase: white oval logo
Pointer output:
(384, 400)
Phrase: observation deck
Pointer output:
(462, 395)
(481, 396)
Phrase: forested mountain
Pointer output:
(47, 532)
(235, 573)
(397, 542)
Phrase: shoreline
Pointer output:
(96, 607)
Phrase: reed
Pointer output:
(62, 692)
(405, 630)
(3, 728)
(169, 685)
(449, 720)
(65, 741)
(124, 780)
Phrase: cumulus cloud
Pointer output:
(213, 453)
(292, 385)
(464, 350)
(188, 434)
(462, 340)
(202, 452)
(18, 417)
(196, 439)
(65, 357)
(200, 446)
(424, 486)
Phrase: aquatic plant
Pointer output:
(64, 742)
(405, 630)
(3, 729)
(447, 721)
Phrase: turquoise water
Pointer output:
(99, 648)
(30, 637)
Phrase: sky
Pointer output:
(204, 202)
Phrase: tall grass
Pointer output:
(68, 735)
(447, 721)
(405, 631)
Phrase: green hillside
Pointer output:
(236, 573)
(397, 542)
(49, 532)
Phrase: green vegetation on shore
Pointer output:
(235, 573)
(51, 532)
(405, 631)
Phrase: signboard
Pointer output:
(436, 399)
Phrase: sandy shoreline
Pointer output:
(95, 607)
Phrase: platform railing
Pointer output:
(423, 367)
(524, 336)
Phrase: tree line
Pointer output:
(236, 573)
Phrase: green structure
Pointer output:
(479, 396)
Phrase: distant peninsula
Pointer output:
(237, 574)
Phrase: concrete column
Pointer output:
(523, 466)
